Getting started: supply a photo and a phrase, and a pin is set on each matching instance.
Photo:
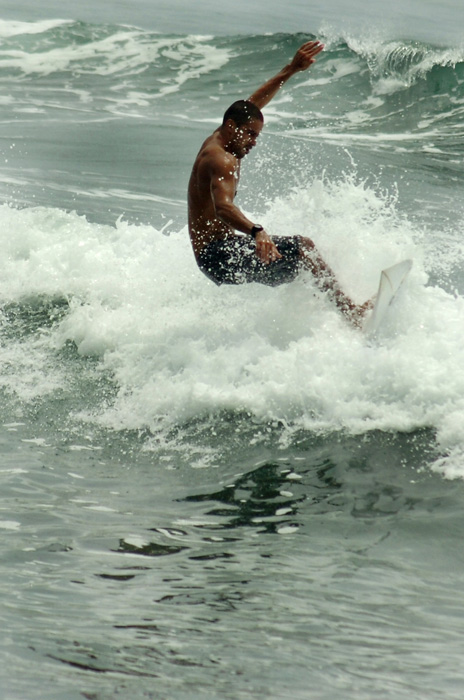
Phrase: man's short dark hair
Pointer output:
(242, 112)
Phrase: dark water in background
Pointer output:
(228, 494)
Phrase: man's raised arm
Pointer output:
(303, 59)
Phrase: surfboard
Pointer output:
(391, 280)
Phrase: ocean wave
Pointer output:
(54, 46)
(125, 70)
(398, 65)
(178, 349)
(125, 307)
(10, 28)
(47, 48)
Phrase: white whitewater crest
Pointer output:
(180, 348)
(394, 65)
(16, 28)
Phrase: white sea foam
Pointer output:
(181, 348)
(9, 28)
(123, 52)
(9, 525)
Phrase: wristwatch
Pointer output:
(255, 230)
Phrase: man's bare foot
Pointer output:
(356, 314)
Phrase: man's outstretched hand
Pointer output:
(303, 59)
(306, 55)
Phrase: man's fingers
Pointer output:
(313, 51)
(312, 46)
(267, 253)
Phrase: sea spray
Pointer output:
(180, 348)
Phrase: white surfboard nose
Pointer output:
(391, 280)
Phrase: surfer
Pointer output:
(216, 224)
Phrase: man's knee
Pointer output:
(306, 245)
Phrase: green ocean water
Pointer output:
(227, 493)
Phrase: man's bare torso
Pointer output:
(204, 224)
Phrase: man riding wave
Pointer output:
(216, 224)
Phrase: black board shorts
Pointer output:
(234, 261)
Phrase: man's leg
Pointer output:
(327, 282)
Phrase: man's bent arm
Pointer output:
(222, 193)
(303, 59)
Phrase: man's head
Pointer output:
(241, 126)
(242, 112)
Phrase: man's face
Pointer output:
(244, 137)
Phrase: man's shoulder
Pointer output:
(213, 154)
